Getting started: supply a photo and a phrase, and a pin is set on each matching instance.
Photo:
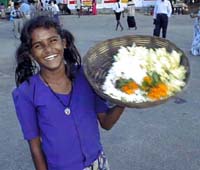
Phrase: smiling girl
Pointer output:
(57, 109)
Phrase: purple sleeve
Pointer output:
(101, 106)
(26, 114)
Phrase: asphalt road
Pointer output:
(165, 137)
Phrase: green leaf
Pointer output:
(156, 78)
(122, 82)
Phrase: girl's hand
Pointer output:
(107, 120)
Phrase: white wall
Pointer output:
(138, 3)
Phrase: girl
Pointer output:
(56, 107)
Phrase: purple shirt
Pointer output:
(70, 142)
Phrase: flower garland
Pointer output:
(139, 74)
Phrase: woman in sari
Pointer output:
(195, 49)
(131, 14)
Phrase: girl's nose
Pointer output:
(47, 49)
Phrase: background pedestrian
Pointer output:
(94, 7)
(55, 11)
(118, 9)
(17, 19)
(26, 10)
(162, 12)
(195, 49)
(131, 14)
(79, 7)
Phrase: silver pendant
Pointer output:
(67, 111)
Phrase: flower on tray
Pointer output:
(139, 74)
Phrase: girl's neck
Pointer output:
(53, 76)
(58, 81)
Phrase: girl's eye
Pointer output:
(53, 40)
(37, 46)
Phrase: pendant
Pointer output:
(67, 111)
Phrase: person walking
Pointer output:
(94, 7)
(195, 49)
(2, 10)
(17, 19)
(79, 7)
(26, 10)
(55, 11)
(118, 9)
(57, 108)
(162, 12)
(131, 14)
(33, 10)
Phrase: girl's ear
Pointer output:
(64, 43)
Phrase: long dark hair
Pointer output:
(26, 67)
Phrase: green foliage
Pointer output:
(122, 82)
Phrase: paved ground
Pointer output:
(165, 137)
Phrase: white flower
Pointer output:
(134, 63)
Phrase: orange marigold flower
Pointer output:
(129, 88)
(158, 92)
(133, 85)
(124, 88)
(148, 79)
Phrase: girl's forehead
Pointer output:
(45, 30)
(43, 33)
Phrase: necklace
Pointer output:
(67, 109)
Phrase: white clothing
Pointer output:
(131, 9)
(163, 7)
(55, 9)
(45, 4)
(16, 13)
(118, 7)
(78, 4)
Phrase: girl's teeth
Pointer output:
(51, 57)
